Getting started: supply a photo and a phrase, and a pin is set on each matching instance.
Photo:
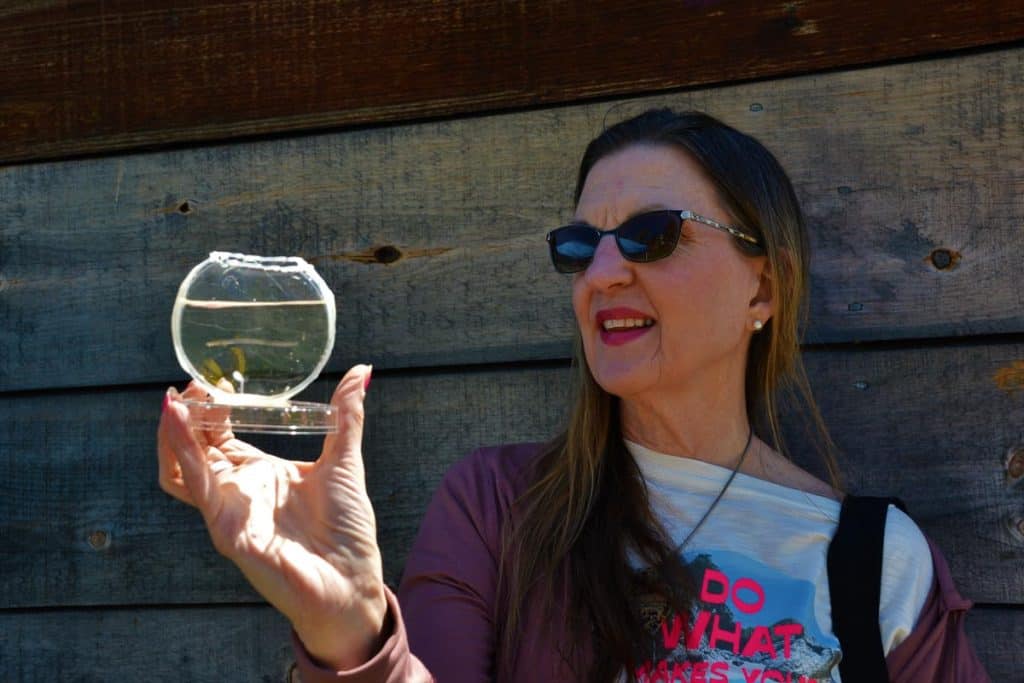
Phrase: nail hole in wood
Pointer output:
(185, 207)
(944, 259)
(387, 254)
(99, 540)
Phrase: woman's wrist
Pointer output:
(350, 641)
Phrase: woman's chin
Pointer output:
(621, 383)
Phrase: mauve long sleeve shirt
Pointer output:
(441, 625)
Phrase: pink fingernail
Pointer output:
(366, 384)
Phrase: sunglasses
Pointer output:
(643, 238)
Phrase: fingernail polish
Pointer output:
(366, 384)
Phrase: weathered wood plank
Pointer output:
(891, 162)
(934, 426)
(251, 643)
(990, 628)
(85, 78)
(83, 497)
(195, 644)
(83, 522)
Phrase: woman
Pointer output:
(658, 537)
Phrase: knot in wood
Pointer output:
(792, 22)
(944, 259)
(387, 254)
(1014, 465)
(185, 207)
(99, 540)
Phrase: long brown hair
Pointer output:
(587, 506)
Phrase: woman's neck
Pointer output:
(703, 425)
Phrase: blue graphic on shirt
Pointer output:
(750, 623)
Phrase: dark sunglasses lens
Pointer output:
(649, 236)
(572, 248)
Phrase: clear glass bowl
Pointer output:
(255, 331)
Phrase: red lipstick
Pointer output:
(620, 336)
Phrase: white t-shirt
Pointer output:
(763, 612)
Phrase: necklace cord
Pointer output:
(721, 493)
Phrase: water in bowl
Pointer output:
(260, 348)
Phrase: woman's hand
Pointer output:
(303, 533)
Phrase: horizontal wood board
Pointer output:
(222, 644)
(431, 235)
(83, 521)
(87, 77)
(252, 643)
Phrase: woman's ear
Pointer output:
(763, 303)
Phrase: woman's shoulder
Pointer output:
(493, 474)
(772, 466)
(504, 460)
(474, 499)
(903, 533)
(907, 560)
(907, 577)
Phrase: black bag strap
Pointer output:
(855, 586)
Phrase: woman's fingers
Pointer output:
(345, 447)
(219, 416)
(195, 470)
(195, 392)
(169, 470)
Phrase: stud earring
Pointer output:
(758, 325)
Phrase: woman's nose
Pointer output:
(608, 267)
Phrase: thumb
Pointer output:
(346, 445)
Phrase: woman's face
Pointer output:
(703, 298)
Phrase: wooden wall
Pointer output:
(429, 147)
